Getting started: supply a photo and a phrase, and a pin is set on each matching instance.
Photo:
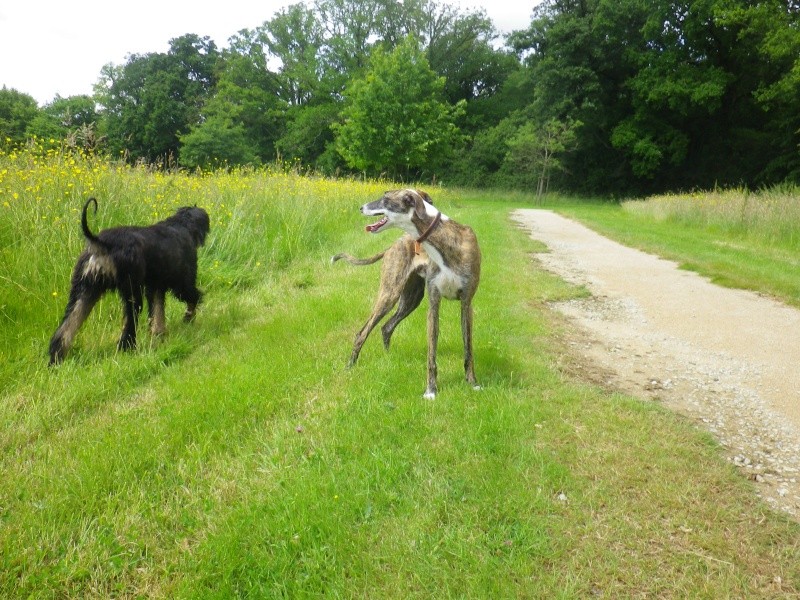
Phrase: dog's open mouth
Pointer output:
(376, 226)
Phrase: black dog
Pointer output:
(134, 260)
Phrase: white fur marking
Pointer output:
(99, 265)
(431, 211)
(448, 283)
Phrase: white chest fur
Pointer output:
(449, 284)
(443, 277)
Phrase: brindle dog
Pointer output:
(436, 253)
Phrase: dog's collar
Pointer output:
(436, 220)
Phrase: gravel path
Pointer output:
(729, 359)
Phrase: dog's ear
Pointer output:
(415, 199)
(425, 196)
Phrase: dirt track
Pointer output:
(729, 359)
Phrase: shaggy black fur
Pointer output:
(134, 261)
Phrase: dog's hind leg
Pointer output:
(466, 332)
(81, 302)
(386, 300)
(396, 270)
(410, 298)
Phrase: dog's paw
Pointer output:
(429, 395)
(476, 387)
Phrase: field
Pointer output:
(238, 458)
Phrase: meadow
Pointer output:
(237, 457)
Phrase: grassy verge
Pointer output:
(237, 457)
(747, 241)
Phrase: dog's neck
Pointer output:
(424, 235)
(422, 227)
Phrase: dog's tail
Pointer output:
(358, 261)
(85, 225)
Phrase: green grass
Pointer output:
(238, 458)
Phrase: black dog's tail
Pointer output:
(85, 225)
(358, 261)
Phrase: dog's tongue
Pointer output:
(375, 226)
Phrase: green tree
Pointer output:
(774, 28)
(671, 94)
(244, 110)
(483, 162)
(294, 37)
(309, 136)
(579, 56)
(350, 29)
(320, 49)
(217, 143)
(700, 116)
(17, 112)
(155, 98)
(396, 119)
(461, 48)
(536, 151)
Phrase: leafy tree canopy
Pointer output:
(668, 94)
(64, 117)
(155, 98)
(396, 119)
(17, 110)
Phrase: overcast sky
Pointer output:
(59, 46)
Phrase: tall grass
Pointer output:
(770, 215)
(261, 221)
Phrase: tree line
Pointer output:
(593, 96)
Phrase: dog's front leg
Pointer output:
(192, 299)
(155, 312)
(434, 299)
